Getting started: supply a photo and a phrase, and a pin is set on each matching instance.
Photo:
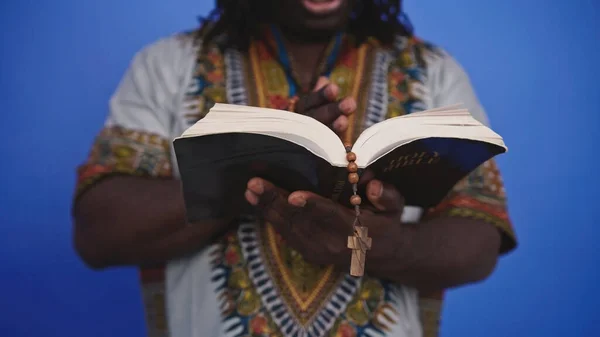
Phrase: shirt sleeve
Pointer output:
(136, 137)
(481, 194)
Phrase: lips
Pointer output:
(320, 7)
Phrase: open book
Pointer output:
(423, 154)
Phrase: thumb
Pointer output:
(384, 197)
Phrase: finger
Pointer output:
(300, 198)
(262, 191)
(328, 113)
(324, 95)
(321, 82)
(384, 197)
(340, 124)
(271, 201)
(320, 210)
(365, 177)
(251, 197)
(347, 106)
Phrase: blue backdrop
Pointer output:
(534, 65)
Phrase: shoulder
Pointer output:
(435, 77)
(161, 69)
(428, 58)
(435, 60)
(169, 56)
(154, 80)
(426, 62)
(444, 79)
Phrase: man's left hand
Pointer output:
(318, 228)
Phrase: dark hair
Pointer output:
(240, 19)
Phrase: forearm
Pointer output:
(436, 254)
(136, 221)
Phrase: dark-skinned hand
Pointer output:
(318, 228)
(322, 104)
(315, 226)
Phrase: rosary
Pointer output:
(360, 242)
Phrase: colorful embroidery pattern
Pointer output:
(265, 283)
(302, 286)
(153, 297)
(430, 310)
(406, 76)
(242, 310)
(271, 86)
(117, 150)
(208, 84)
(248, 282)
(480, 196)
(256, 304)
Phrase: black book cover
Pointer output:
(216, 168)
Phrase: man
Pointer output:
(346, 63)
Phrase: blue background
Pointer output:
(534, 66)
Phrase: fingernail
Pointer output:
(251, 197)
(297, 200)
(347, 105)
(340, 124)
(331, 91)
(321, 82)
(376, 188)
(256, 186)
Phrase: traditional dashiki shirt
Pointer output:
(249, 283)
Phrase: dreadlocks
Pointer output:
(240, 19)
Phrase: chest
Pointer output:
(385, 82)
(254, 262)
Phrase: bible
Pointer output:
(423, 154)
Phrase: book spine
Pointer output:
(342, 189)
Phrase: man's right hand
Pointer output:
(322, 104)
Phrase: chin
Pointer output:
(334, 20)
(314, 17)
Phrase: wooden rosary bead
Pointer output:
(348, 147)
(353, 178)
(352, 167)
(350, 156)
(355, 200)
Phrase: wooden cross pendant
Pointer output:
(359, 243)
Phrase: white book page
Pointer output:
(382, 138)
(295, 128)
(374, 143)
